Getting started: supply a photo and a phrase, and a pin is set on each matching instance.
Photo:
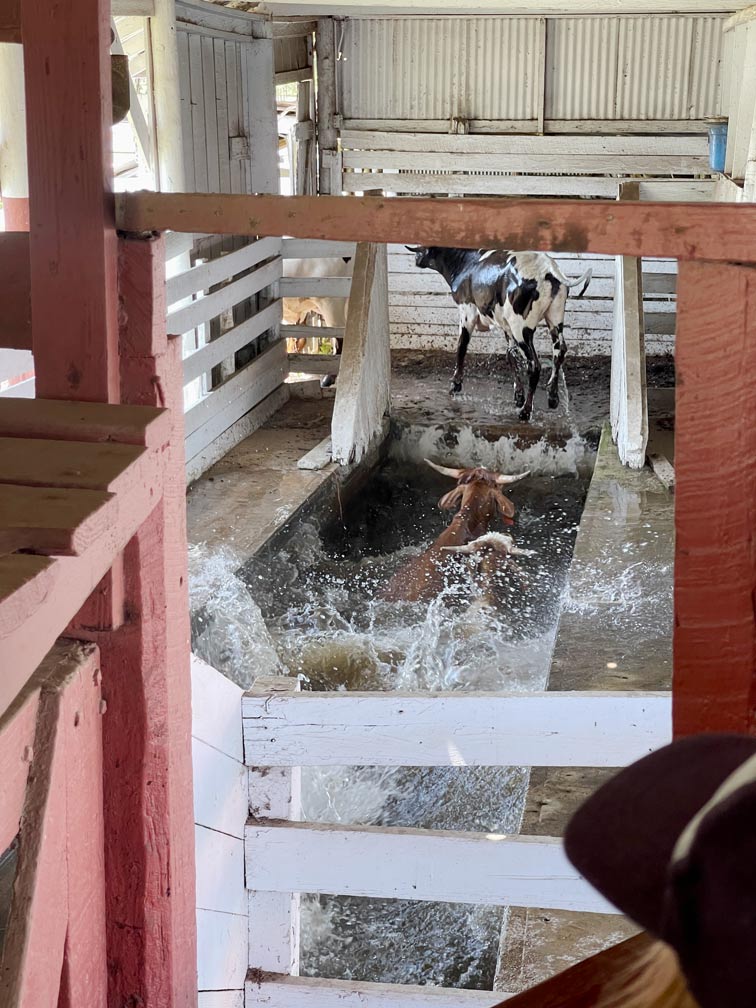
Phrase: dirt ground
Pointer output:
(420, 391)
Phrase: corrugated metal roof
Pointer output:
(436, 68)
(602, 67)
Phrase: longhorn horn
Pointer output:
(496, 540)
(504, 480)
(445, 470)
(414, 248)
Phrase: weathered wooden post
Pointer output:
(363, 391)
(628, 400)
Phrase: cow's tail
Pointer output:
(584, 278)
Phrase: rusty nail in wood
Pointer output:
(28, 754)
(103, 706)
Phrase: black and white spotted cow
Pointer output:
(514, 290)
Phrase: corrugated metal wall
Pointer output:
(642, 67)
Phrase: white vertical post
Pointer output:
(274, 793)
(166, 98)
(326, 103)
(628, 399)
(363, 391)
(14, 180)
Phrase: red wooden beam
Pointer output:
(38, 599)
(15, 290)
(16, 750)
(148, 772)
(34, 942)
(713, 231)
(10, 20)
(714, 685)
(73, 242)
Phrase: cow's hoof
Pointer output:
(553, 401)
(455, 387)
(519, 399)
(327, 380)
(524, 415)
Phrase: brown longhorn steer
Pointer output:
(480, 500)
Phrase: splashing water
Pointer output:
(314, 609)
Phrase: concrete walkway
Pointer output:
(615, 633)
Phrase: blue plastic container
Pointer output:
(717, 145)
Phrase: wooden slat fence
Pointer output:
(285, 729)
(422, 314)
(226, 309)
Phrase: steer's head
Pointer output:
(478, 490)
(424, 255)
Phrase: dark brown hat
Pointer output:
(671, 842)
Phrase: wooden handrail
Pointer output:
(708, 231)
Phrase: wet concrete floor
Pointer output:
(615, 633)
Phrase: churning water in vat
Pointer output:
(313, 609)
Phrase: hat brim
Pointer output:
(622, 838)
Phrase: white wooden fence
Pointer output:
(284, 729)
(227, 311)
(220, 815)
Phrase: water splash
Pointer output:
(228, 629)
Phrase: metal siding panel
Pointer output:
(581, 67)
(435, 68)
(706, 67)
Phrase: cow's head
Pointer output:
(425, 256)
(478, 486)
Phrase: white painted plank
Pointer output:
(307, 332)
(455, 729)
(210, 109)
(197, 105)
(483, 868)
(183, 319)
(318, 457)
(276, 792)
(214, 414)
(292, 287)
(571, 127)
(451, 143)
(318, 364)
(581, 343)
(220, 872)
(309, 248)
(220, 790)
(478, 185)
(216, 709)
(221, 950)
(538, 164)
(204, 276)
(220, 999)
(213, 452)
(207, 356)
(317, 992)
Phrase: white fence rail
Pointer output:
(486, 868)
(313, 992)
(224, 305)
(454, 729)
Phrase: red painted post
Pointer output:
(72, 234)
(714, 685)
(148, 773)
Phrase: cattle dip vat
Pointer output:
(308, 605)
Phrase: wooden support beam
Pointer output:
(73, 242)
(146, 681)
(87, 422)
(54, 950)
(17, 727)
(715, 447)
(15, 291)
(717, 232)
(363, 392)
(325, 49)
